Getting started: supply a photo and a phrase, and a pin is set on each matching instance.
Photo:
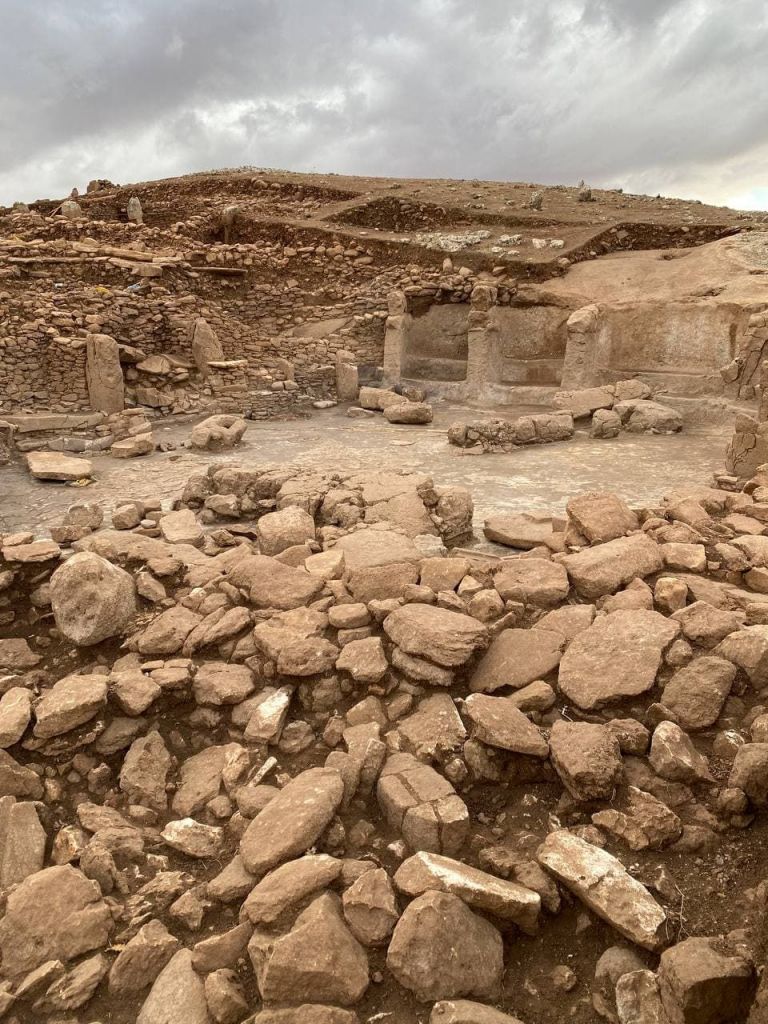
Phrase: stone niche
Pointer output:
(527, 344)
(474, 345)
(436, 343)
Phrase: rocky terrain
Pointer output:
(292, 752)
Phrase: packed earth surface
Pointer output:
(383, 605)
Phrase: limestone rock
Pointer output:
(587, 758)
(750, 772)
(364, 660)
(696, 693)
(22, 841)
(517, 657)
(674, 757)
(71, 702)
(507, 901)
(409, 412)
(15, 715)
(704, 981)
(499, 723)
(293, 821)
(522, 530)
(181, 527)
(600, 881)
(166, 634)
(177, 996)
(601, 516)
(370, 908)
(605, 568)
(104, 374)
(274, 585)
(55, 914)
(145, 770)
(280, 530)
(441, 950)
(444, 637)
(617, 657)
(92, 599)
(463, 1011)
(422, 805)
(288, 885)
(218, 433)
(56, 466)
(142, 958)
(318, 959)
(534, 581)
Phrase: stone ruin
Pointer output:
(299, 745)
(273, 746)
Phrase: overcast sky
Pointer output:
(665, 96)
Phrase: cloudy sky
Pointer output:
(665, 96)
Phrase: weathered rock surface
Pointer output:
(517, 657)
(444, 637)
(92, 599)
(291, 823)
(601, 882)
(442, 950)
(617, 657)
(508, 901)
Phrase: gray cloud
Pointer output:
(658, 95)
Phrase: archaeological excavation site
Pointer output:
(383, 605)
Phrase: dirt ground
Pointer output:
(542, 477)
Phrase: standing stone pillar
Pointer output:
(480, 336)
(104, 374)
(398, 323)
(135, 212)
(347, 377)
(206, 346)
(580, 360)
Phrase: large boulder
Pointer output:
(706, 981)
(92, 599)
(440, 949)
(508, 901)
(59, 467)
(283, 529)
(70, 702)
(601, 516)
(409, 412)
(319, 958)
(177, 996)
(273, 584)
(517, 657)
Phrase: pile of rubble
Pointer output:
(312, 767)
(626, 405)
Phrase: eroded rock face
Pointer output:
(92, 599)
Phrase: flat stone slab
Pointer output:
(55, 466)
(481, 891)
(516, 658)
(293, 820)
(602, 883)
(605, 568)
(617, 657)
(498, 722)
